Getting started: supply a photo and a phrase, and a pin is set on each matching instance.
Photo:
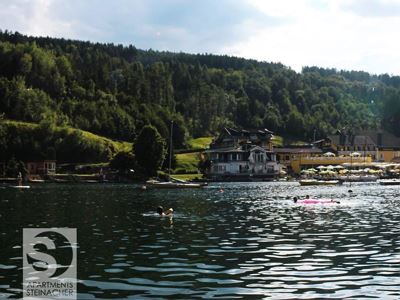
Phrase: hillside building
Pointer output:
(243, 155)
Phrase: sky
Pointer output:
(341, 34)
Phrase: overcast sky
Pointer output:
(343, 34)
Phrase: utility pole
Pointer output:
(315, 130)
(170, 151)
(365, 148)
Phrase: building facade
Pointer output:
(380, 146)
(45, 167)
(243, 155)
(287, 155)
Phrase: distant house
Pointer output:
(242, 155)
(379, 145)
(45, 167)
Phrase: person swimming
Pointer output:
(162, 212)
(307, 200)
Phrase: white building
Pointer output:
(243, 155)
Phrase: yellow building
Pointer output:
(380, 146)
(302, 163)
(388, 155)
(286, 155)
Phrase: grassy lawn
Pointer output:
(187, 176)
(30, 127)
(187, 162)
(277, 141)
(200, 143)
(280, 141)
(120, 146)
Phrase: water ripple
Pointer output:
(249, 242)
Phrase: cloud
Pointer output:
(176, 25)
(326, 34)
(373, 8)
(345, 34)
(31, 17)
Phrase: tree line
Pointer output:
(115, 91)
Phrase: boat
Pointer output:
(359, 178)
(36, 181)
(173, 184)
(19, 186)
(319, 182)
(389, 181)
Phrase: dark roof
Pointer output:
(385, 139)
(352, 140)
(378, 138)
(318, 141)
(243, 132)
(252, 136)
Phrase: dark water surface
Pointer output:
(247, 241)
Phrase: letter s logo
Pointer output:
(51, 253)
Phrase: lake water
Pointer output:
(244, 241)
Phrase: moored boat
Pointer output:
(36, 180)
(319, 182)
(173, 184)
(389, 181)
(359, 178)
(19, 186)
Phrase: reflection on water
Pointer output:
(235, 240)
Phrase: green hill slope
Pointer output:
(30, 141)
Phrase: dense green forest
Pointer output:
(114, 91)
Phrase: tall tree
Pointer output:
(150, 150)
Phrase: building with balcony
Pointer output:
(242, 155)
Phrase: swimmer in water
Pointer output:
(162, 212)
(307, 200)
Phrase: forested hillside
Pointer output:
(114, 91)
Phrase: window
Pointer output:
(259, 157)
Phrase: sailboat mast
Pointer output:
(170, 150)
